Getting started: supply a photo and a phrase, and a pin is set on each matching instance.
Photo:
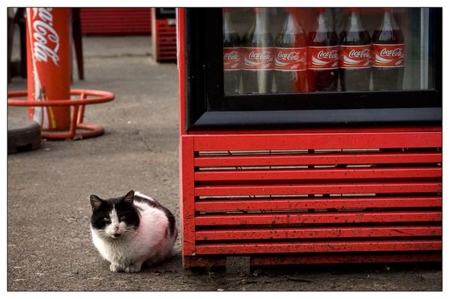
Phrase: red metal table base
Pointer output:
(312, 196)
(78, 129)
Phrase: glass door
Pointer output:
(313, 67)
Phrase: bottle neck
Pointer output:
(227, 25)
(260, 25)
(355, 23)
(291, 25)
(323, 24)
(388, 22)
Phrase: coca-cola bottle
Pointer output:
(387, 54)
(231, 56)
(355, 52)
(290, 56)
(257, 54)
(323, 56)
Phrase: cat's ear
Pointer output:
(129, 198)
(96, 202)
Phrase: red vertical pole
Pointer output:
(48, 57)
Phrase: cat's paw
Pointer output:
(133, 268)
(115, 268)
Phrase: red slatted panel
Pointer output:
(164, 39)
(374, 193)
(115, 20)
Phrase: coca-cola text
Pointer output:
(44, 35)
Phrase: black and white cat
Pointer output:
(132, 230)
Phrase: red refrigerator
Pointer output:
(310, 135)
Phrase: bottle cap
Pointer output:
(291, 9)
(226, 9)
(386, 9)
(258, 9)
(353, 9)
(320, 9)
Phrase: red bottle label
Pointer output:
(355, 57)
(388, 55)
(290, 59)
(323, 58)
(257, 58)
(231, 59)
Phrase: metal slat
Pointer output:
(349, 140)
(335, 188)
(310, 232)
(316, 218)
(317, 174)
(277, 204)
(317, 159)
(314, 247)
(320, 258)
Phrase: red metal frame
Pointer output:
(78, 129)
(350, 195)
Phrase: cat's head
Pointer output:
(114, 218)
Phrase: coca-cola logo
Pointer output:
(46, 39)
(292, 56)
(366, 53)
(397, 52)
(333, 54)
(265, 55)
(233, 55)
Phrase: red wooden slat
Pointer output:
(274, 204)
(317, 159)
(316, 218)
(342, 188)
(318, 174)
(349, 140)
(305, 233)
(300, 247)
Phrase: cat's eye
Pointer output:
(123, 218)
(107, 220)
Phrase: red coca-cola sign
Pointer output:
(231, 59)
(388, 55)
(323, 57)
(257, 58)
(355, 57)
(290, 59)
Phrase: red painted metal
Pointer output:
(318, 159)
(78, 129)
(304, 140)
(382, 200)
(112, 21)
(298, 204)
(314, 233)
(312, 196)
(327, 246)
(317, 218)
(335, 188)
(316, 174)
(164, 39)
(48, 64)
(323, 258)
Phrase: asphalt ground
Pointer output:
(48, 242)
